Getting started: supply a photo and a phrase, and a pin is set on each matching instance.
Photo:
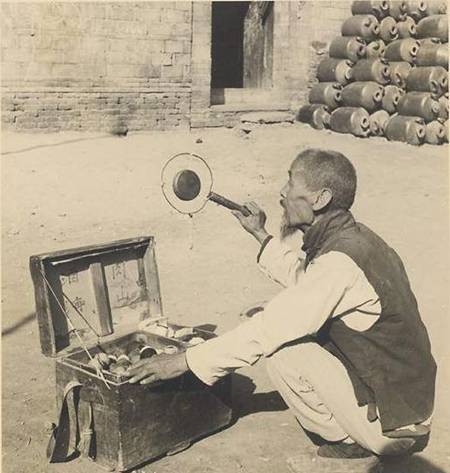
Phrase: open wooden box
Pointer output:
(114, 287)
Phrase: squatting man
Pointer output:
(344, 342)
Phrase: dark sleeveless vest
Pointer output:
(391, 363)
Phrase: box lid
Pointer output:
(94, 291)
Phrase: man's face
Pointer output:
(297, 201)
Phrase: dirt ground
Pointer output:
(67, 190)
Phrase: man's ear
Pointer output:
(323, 198)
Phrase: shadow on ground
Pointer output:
(246, 402)
(52, 145)
(412, 464)
(20, 323)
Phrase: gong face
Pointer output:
(186, 182)
(186, 185)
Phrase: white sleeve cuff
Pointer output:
(194, 359)
(228, 352)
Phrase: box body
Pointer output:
(132, 423)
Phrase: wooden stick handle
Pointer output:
(229, 204)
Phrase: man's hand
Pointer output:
(255, 222)
(158, 368)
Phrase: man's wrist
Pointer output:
(177, 367)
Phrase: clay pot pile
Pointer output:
(386, 75)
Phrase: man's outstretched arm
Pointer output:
(330, 287)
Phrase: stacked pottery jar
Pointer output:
(333, 73)
(418, 60)
(328, 107)
(361, 99)
(386, 75)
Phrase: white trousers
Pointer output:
(316, 387)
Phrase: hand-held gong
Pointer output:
(187, 182)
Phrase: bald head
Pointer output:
(322, 169)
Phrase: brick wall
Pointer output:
(97, 65)
(141, 66)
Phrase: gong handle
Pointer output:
(229, 204)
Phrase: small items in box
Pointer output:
(187, 335)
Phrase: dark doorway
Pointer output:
(241, 52)
(227, 69)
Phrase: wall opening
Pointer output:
(227, 41)
(241, 51)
